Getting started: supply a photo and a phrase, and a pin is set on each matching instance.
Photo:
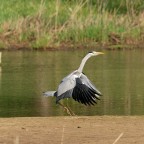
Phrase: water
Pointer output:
(119, 75)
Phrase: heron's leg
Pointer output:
(72, 113)
(67, 109)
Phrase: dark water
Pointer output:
(119, 75)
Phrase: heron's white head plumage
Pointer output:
(94, 53)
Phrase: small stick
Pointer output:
(118, 138)
(16, 140)
(62, 138)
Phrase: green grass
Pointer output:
(42, 24)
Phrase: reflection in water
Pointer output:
(25, 75)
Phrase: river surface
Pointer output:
(24, 75)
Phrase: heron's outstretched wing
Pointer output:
(88, 83)
(80, 88)
(66, 86)
(84, 92)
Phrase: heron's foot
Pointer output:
(72, 113)
(68, 111)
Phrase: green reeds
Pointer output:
(44, 24)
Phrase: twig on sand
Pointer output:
(62, 138)
(118, 138)
(16, 141)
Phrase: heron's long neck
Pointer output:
(80, 69)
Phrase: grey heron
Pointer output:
(77, 86)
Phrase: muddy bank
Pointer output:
(70, 47)
(78, 130)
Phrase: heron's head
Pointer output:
(94, 53)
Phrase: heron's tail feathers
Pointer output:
(49, 93)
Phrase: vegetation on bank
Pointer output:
(71, 23)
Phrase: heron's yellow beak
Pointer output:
(98, 53)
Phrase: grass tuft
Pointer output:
(43, 24)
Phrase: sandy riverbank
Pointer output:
(70, 130)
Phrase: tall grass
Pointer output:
(43, 24)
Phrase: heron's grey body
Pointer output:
(77, 86)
